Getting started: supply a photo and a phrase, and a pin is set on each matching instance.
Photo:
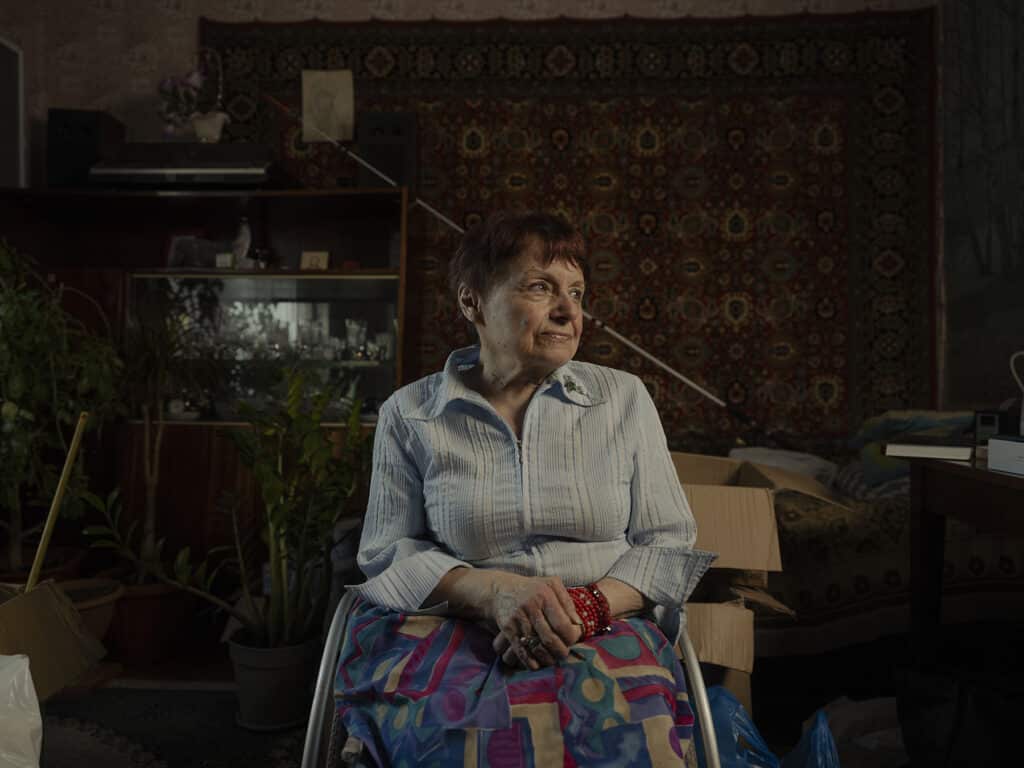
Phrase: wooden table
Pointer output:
(991, 500)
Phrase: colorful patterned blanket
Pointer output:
(429, 691)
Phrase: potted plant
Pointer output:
(170, 354)
(51, 368)
(305, 481)
(184, 103)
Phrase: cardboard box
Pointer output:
(44, 625)
(733, 504)
(723, 639)
(722, 633)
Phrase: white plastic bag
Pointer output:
(21, 725)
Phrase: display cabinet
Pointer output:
(313, 276)
(268, 278)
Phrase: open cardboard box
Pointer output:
(44, 625)
(39, 620)
(733, 504)
(723, 639)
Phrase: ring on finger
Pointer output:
(530, 643)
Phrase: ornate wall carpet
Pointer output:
(756, 193)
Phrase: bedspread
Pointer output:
(846, 573)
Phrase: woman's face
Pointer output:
(533, 318)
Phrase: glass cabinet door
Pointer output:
(229, 337)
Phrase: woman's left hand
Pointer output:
(503, 647)
(535, 618)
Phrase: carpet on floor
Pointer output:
(113, 727)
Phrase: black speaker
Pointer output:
(13, 161)
(387, 141)
(77, 139)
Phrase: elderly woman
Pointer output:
(527, 545)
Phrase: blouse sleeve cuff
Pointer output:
(667, 576)
(408, 582)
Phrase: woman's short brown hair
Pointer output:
(489, 249)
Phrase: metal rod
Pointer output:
(619, 337)
(700, 699)
(437, 214)
(461, 230)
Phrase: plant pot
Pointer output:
(60, 564)
(209, 125)
(147, 623)
(274, 684)
(95, 600)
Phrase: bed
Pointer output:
(846, 566)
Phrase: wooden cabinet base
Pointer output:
(149, 624)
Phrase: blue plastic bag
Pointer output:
(732, 722)
(816, 748)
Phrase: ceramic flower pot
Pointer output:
(60, 564)
(208, 125)
(95, 600)
(274, 684)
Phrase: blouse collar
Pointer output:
(565, 379)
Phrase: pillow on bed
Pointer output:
(850, 482)
(874, 433)
(802, 463)
(891, 423)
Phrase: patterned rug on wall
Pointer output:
(756, 193)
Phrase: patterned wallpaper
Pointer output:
(111, 54)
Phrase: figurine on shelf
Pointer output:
(385, 345)
(355, 338)
(241, 244)
(262, 256)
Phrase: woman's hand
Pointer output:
(532, 607)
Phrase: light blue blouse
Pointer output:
(590, 492)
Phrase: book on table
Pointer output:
(1006, 454)
(921, 447)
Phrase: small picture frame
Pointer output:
(314, 260)
(328, 112)
(185, 249)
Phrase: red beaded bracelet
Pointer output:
(592, 607)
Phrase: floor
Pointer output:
(175, 712)
(964, 708)
(961, 710)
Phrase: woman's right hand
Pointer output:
(525, 607)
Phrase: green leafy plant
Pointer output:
(306, 484)
(168, 350)
(51, 369)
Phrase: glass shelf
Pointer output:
(266, 274)
(237, 333)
